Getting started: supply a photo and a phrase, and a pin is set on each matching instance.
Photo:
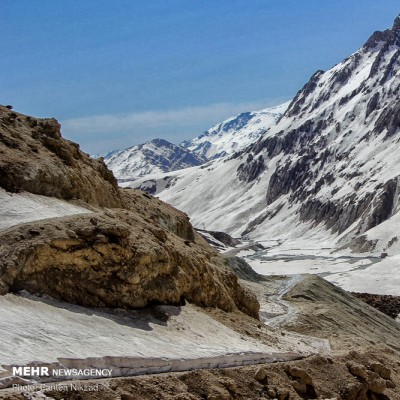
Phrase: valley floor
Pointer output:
(353, 272)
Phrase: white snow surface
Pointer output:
(19, 208)
(235, 133)
(43, 331)
(155, 156)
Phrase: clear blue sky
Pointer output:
(120, 72)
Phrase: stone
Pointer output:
(357, 370)
(383, 371)
(377, 385)
(301, 374)
(261, 375)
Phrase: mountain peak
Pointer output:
(396, 24)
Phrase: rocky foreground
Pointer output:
(373, 374)
(100, 276)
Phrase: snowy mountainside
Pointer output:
(235, 133)
(157, 155)
(327, 171)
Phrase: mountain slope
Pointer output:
(234, 133)
(157, 155)
(327, 170)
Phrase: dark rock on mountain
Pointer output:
(389, 120)
(251, 169)
(389, 36)
(297, 103)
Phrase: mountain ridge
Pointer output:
(329, 161)
(157, 155)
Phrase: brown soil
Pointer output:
(389, 305)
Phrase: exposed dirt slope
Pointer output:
(324, 310)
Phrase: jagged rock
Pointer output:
(389, 120)
(296, 104)
(372, 104)
(35, 158)
(251, 169)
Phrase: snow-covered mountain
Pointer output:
(157, 155)
(235, 133)
(327, 171)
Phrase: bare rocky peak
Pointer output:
(388, 36)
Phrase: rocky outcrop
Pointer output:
(251, 169)
(388, 36)
(146, 254)
(34, 157)
(300, 98)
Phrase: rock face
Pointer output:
(129, 258)
(34, 157)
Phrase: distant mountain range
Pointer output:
(157, 155)
(226, 138)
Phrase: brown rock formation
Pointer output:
(34, 157)
(127, 258)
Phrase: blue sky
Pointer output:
(120, 72)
